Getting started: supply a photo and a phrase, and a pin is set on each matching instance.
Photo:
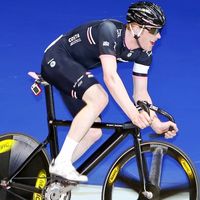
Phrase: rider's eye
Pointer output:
(154, 31)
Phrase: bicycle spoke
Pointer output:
(130, 182)
(16, 195)
(25, 187)
(171, 191)
(156, 165)
(31, 178)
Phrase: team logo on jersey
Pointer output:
(74, 39)
(130, 54)
(106, 44)
(52, 63)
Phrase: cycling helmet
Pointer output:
(146, 13)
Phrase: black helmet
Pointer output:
(146, 13)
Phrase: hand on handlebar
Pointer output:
(141, 119)
(169, 129)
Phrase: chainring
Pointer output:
(58, 190)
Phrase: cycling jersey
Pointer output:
(87, 42)
(67, 60)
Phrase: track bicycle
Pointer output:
(142, 172)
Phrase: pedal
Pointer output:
(60, 179)
(56, 178)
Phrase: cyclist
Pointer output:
(66, 65)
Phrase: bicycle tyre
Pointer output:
(14, 149)
(120, 183)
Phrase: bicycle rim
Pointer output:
(14, 149)
(178, 177)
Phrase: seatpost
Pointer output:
(53, 136)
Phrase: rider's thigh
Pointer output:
(96, 95)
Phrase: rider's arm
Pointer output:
(118, 91)
(140, 91)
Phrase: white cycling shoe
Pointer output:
(66, 172)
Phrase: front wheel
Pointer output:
(171, 175)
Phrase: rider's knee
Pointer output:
(102, 99)
(97, 96)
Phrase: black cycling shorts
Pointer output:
(67, 75)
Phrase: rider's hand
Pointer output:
(163, 128)
(141, 119)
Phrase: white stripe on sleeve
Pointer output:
(140, 69)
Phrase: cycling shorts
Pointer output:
(67, 75)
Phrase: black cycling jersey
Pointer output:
(67, 59)
(87, 42)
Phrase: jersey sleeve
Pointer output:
(107, 38)
(142, 64)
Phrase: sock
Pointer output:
(66, 152)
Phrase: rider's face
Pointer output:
(148, 38)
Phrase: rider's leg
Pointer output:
(87, 141)
(74, 106)
(96, 99)
(73, 79)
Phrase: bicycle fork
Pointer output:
(150, 181)
(142, 166)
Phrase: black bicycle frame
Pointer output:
(121, 132)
